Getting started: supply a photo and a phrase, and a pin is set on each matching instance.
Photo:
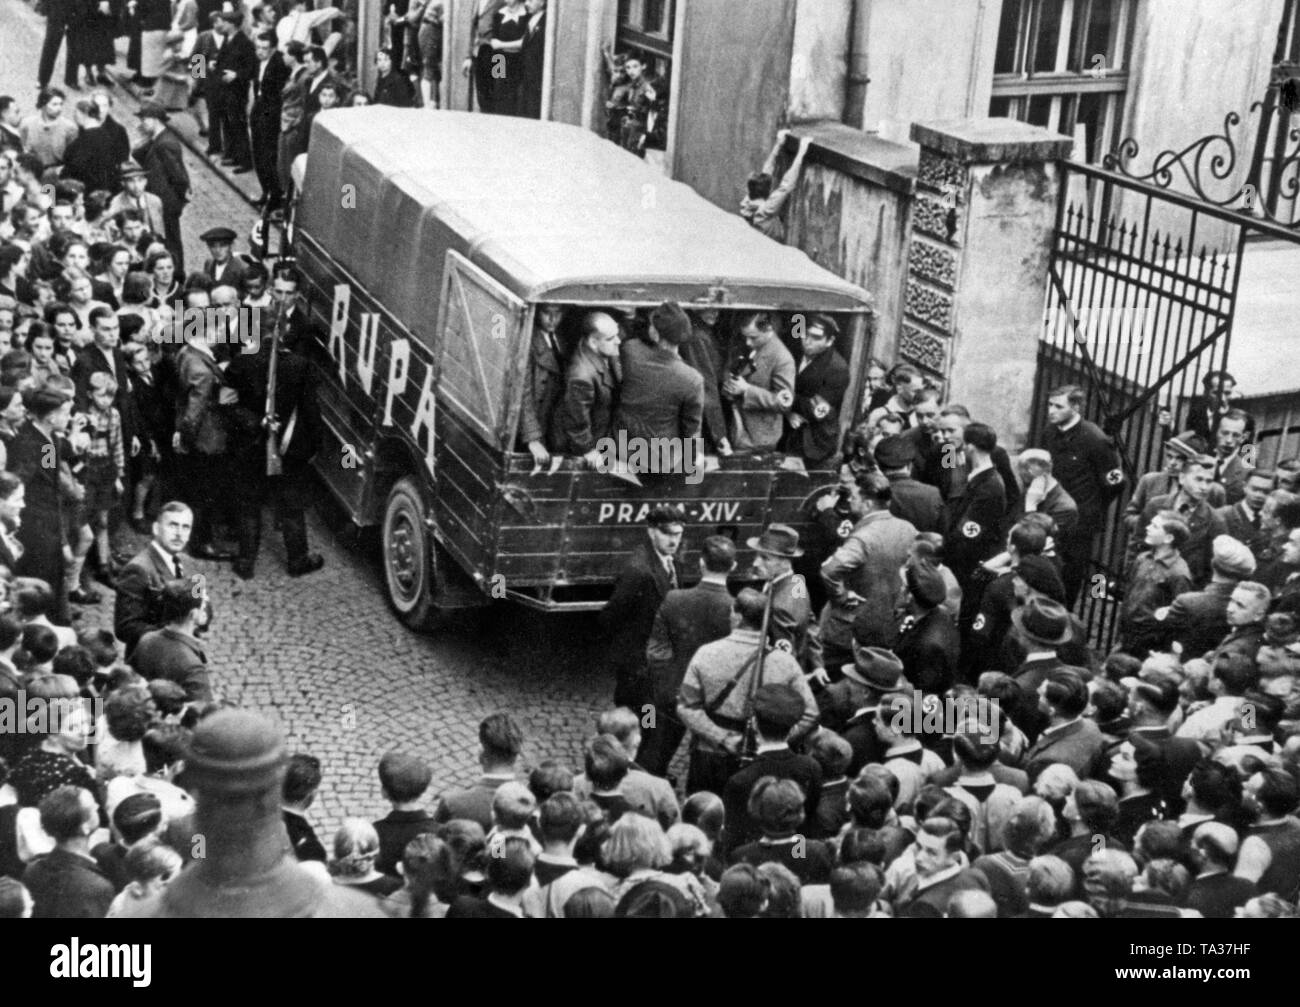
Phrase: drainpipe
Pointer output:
(856, 79)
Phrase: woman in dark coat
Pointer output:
(33, 458)
(92, 157)
(95, 27)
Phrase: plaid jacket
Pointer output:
(105, 431)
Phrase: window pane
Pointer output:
(1000, 108)
(1049, 35)
(1040, 110)
(1105, 15)
(1092, 113)
(1008, 38)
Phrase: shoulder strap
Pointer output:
(727, 689)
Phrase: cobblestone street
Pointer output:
(323, 654)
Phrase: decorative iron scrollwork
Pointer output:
(1213, 159)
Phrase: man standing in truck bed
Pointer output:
(662, 395)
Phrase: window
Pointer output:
(637, 108)
(1063, 64)
(1287, 55)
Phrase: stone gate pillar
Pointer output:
(977, 264)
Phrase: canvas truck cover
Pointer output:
(552, 211)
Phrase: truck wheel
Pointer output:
(410, 570)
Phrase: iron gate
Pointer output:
(1143, 286)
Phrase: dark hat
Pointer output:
(152, 110)
(778, 705)
(137, 810)
(10, 255)
(1040, 574)
(671, 323)
(129, 169)
(895, 451)
(777, 540)
(926, 583)
(874, 666)
(1147, 754)
(1043, 621)
(217, 234)
(43, 400)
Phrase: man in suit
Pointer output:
(1205, 412)
(661, 395)
(105, 356)
(164, 164)
(790, 627)
(318, 75)
(1165, 481)
(1085, 461)
(1199, 619)
(777, 708)
(1069, 737)
(862, 577)
(628, 617)
(269, 79)
(702, 352)
(1190, 503)
(1242, 520)
(687, 619)
(235, 67)
(140, 584)
(1150, 704)
(760, 386)
(585, 413)
(224, 267)
(500, 742)
(910, 499)
(1043, 626)
(544, 383)
(714, 701)
(1230, 467)
(1216, 892)
(975, 521)
(34, 457)
(925, 439)
(67, 882)
(135, 196)
(202, 432)
(292, 139)
(174, 652)
(849, 706)
(820, 383)
(929, 645)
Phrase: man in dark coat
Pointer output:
(532, 61)
(59, 18)
(34, 458)
(161, 157)
(820, 383)
(914, 501)
(687, 618)
(392, 87)
(91, 158)
(174, 653)
(1190, 503)
(1069, 737)
(67, 882)
(235, 67)
(264, 121)
(1242, 520)
(929, 645)
(105, 356)
(975, 522)
(297, 428)
(140, 584)
(1043, 626)
(628, 617)
(585, 413)
(543, 382)
(662, 395)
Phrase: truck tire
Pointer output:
(410, 563)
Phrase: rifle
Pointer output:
(749, 745)
(274, 465)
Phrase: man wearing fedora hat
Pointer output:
(1043, 626)
(849, 705)
(791, 627)
(714, 701)
(135, 195)
(164, 164)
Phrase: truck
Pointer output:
(427, 241)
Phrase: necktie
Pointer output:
(176, 562)
(672, 571)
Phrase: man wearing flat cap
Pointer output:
(164, 164)
(791, 627)
(760, 386)
(915, 502)
(1178, 449)
(1199, 619)
(1191, 503)
(777, 709)
(714, 701)
(662, 395)
(225, 268)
